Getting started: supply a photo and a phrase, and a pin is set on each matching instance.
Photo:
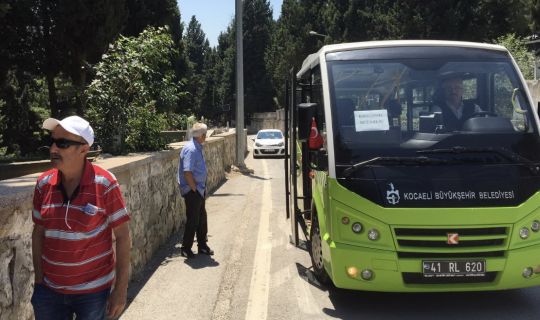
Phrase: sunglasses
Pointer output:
(64, 143)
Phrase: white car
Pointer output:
(269, 143)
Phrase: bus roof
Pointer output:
(314, 59)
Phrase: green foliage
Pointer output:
(134, 81)
(144, 130)
(198, 51)
(257, 25)
(175, 121)
(517, 47)
(22, 114)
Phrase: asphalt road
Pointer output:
(257, 274)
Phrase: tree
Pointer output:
(224, 69)
(290, 43)
(535, 16)
(517, 47)
(158, 13)
(72, 36)
(20, 90)
(197, 50)
(134, 86)
(196, 45)
(257, 31)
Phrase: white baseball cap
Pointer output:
(72, 124)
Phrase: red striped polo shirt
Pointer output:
(77, 254)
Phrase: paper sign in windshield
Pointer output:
(371, 120)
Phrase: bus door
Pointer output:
(297, 181)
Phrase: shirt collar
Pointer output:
(87, 177)
(197, 144)
(457, 112)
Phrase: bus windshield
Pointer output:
(401, 107)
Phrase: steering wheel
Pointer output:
(483, 114)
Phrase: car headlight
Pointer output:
(258, 144)
(281, 144)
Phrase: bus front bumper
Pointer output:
(392, 274)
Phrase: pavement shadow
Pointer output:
(307, 275)
(162, 256)
(168, 252)
(201, 261)
(257, 177)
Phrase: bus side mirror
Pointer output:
(318, 160)
(306, 111)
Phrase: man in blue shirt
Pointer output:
(192, 176)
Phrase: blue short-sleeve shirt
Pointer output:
(192, 159)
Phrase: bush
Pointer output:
(145, 128)
(134, 83)
(517, 47)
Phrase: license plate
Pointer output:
(454, 268)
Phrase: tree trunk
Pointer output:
(53, 98)
(78, 76)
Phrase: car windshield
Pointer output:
(400, 106)
(269, 135)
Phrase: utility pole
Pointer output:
(240, 138)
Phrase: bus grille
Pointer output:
(435, 242)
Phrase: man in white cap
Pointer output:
(191, 177)
(77, 211)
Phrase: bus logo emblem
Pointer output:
(453, 238)
(392, 195)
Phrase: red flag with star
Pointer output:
(315, 140)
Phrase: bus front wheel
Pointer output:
(316, 252)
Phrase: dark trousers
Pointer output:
(196, 220)
(51, 305)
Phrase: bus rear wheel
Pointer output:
(316, 252)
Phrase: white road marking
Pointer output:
(257, 307)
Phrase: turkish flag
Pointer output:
(315, 141)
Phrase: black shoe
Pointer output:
(186, 252)
(206, 250)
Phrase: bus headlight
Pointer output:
(535, 226)
(367, 274)
(373, 234)
(527, 272)
(524, 233)
(357, 227)
(345, 220)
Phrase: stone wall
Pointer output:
(267, 120)
(534, 89)
(148, 183)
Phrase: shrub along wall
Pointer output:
(148, 183)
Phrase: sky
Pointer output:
(215, 15)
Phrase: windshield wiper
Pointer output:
(505, 153)
(398, 160)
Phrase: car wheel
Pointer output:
(315, 251)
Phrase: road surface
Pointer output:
(257, 274)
